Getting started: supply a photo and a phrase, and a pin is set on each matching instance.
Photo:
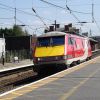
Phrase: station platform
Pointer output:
(81, 82)
(14, 65)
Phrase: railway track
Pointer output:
(11, 77)
(17, 77)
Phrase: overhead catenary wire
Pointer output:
(63, 7)
(10, 18)
(23, 24)
(39, 17)
(92, 11)
(72, 13)
(93, 18)
(34, 29)
(97, 25)
(21, 11)
(9, 8)
(67, 8)
(6, 9)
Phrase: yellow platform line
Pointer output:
(38, 84)
(71, 91)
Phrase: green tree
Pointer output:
(15, 31)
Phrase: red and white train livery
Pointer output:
(61, 48)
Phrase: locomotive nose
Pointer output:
(49, 51)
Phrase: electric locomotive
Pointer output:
(61, 48)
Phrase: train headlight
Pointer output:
(39, 59)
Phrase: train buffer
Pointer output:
(81, 82)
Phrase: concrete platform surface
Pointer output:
(15, 64)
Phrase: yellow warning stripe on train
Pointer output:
(49, 51)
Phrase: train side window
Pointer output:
(89, 44)
(82, 44)
(70, 41)
(75, 43)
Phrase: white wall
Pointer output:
(2, 46)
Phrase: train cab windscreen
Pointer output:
(51, 41)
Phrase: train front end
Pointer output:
(50, 49)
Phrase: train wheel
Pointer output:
(90, 58)
(36, 68)
(78, 62)
(87, 59)
(74, 63)
(68, 66)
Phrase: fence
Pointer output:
(21, 54)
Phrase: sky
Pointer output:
(49, 13)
